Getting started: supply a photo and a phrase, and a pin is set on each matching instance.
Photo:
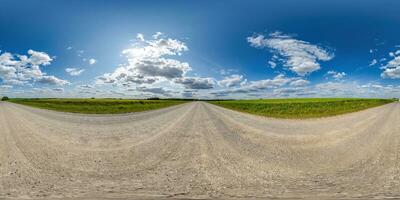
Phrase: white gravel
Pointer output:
(198, 150)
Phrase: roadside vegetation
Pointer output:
(98, 106)
(301, 108)
(5, 98)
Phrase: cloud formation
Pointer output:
(148, 61)
(196, 82)
(92, 61)
(25, 69)
(336, 75)
(299, 56)
(254, 87)
(392, 69)
(231, 81)
(74, 71)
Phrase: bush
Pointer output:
(5, 98)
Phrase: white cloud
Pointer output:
(277, 81)
(140, 37)
(336, 88)
(125, 77)
(80, 52)
(52, 80)
(74, 71)
(157, 35)
(300, 56)
(39, 58)
(256, 87)
(25, 69)
(154, 90)
(4, 88)
(300, 83)
(373, 62)
(161, 67)
(225, 72)
(147, 62)
(272, 64)
(196, 82)
(92, 61)
(69, 48)
(392, 69)
(336, 75)
(290, 91)
(392, 73)
(86, 86)
(58, 89)
(231, 81)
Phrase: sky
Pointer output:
(200, 49)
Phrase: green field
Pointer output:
(97, 106)
(301, 108)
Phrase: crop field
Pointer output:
(301, 108)
(98, 106)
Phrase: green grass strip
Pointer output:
(97, 106)
(301, 108)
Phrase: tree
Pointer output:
(5, 98)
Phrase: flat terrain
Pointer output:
(98, 106)
(198, 150)
(301, 108)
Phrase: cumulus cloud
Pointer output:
(336, 75)
(291, 91)
(92, 61)
(196, 82)
(188, 93)
(373, 62)
(74, 71)
(338, 89)
(125, 77)
(225, 72)
(80, 52)
(39, 58)
(147, 62)
(154, 90)
(231, 81)
(300, 83)
(392, 69)
(272, 64)
(52, 80)
(25, 69)
(256, 86)
(299, 56)
(161, 67)
(58, 89)
(86, 86)
(5, 88)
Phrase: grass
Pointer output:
(301, 108)
(97, 106)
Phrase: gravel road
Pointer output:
(198, 150)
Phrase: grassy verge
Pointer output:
(97, 106)
(301, 108)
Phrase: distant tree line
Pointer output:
(5, 98)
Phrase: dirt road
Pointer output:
(198, 150)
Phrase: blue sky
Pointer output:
(200, 49)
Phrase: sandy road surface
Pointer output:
(198, 150)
